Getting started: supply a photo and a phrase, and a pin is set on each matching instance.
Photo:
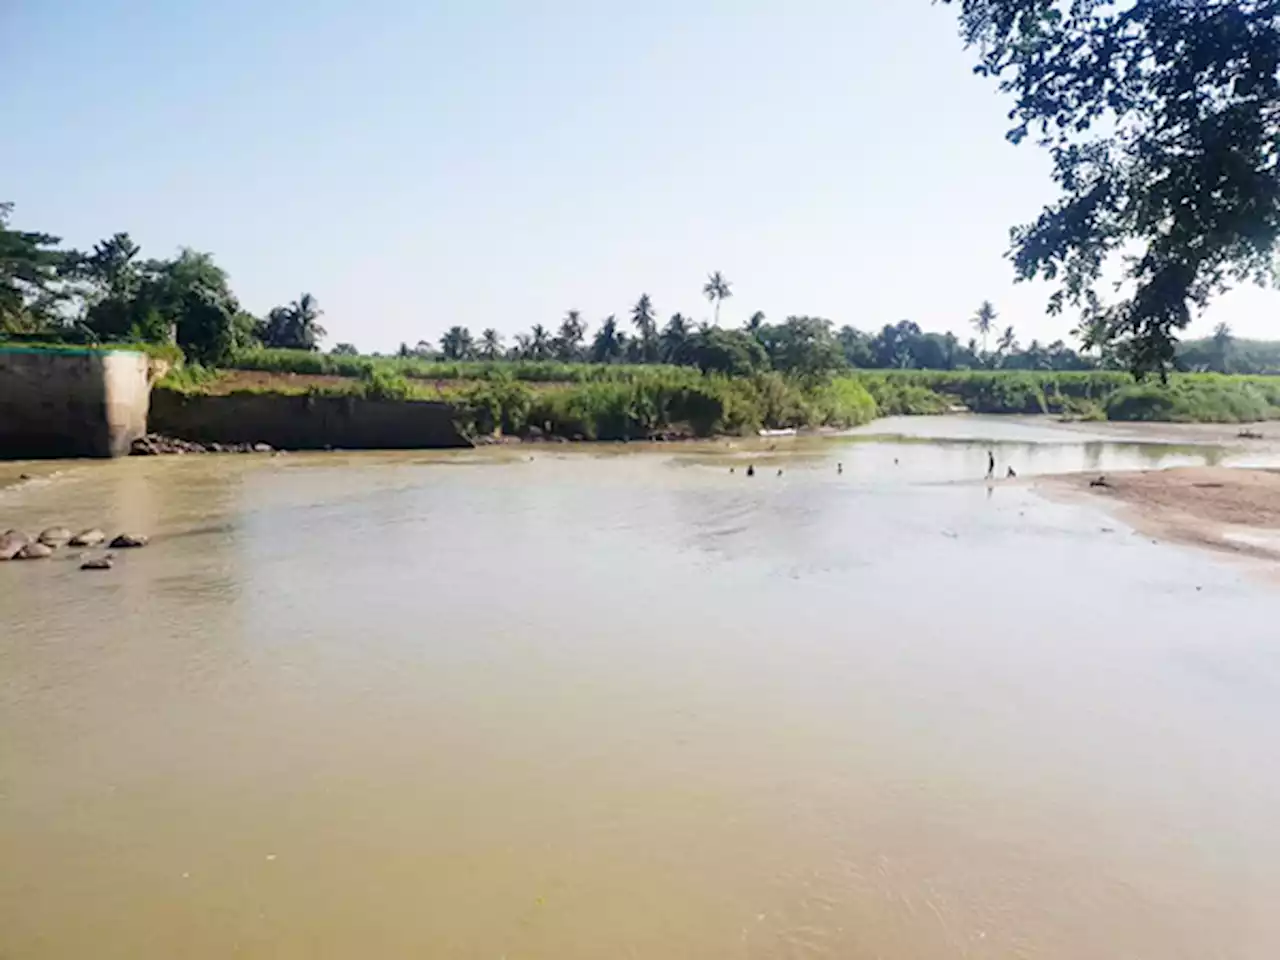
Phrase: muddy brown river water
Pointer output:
(619, 702)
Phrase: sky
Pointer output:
(416, 164)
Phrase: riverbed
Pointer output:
(626, 701)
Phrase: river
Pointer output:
(557, 702)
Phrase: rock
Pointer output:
(126, 541)
(88, 538)
(262, 448)
(34, 551)
(154, 445)
(97, 563)
(11, 542)
(55, 536)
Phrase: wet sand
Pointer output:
(1231, 509)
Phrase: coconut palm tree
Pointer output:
(294, 327)
(984, 320)
(1008, 341)
(539, 342)
(490, 344)
(675, 339)
(717, 289)
(608, 345)
(568, 343)
(646, 329)
(1222, 343)
(457, 344)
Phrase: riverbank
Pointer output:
(1232, 509)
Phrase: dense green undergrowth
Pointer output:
(416, 368)
(604, 402)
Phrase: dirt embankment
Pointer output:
(1235, 510)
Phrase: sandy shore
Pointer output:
(1230, 509)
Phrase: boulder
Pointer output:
(127, 541)
(88, 538)
(55, 536)
(11, 542)
(34, 551)
(97, 563)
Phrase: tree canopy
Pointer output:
(1163, 121)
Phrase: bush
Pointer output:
(1219, 400)
(383, 385)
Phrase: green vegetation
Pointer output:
(1162, 124)
(1186, 400)
(679, 401)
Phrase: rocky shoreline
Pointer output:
(17, 545)
(156, 445)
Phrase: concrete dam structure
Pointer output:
(71, 403)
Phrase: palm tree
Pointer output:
(608, 344)
(984, 320)
(490, 344)
(675, 339)
(456, 344)
(1094, 333)
(568, 343)
(523, 349)
(539, 342)
(294, 327)
(717, 289)
(646, 327)
(755, 324)
(1008, 341)
(1222, 342)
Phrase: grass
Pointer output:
(415, 368)
(617, 402)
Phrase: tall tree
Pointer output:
(457, 344)
(568, 342)
(984, 320)
(296, 326)
(1008, 341)
(717, 289)
(646, 329)
(539, 342)
(755, 323)
(1162, 120)
(1222, 343)
(490, 344)
(674, 340)
(608, 345)
(29, 271)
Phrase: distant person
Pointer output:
(779, 472)
(733, 470)
(991, 464)
(1012, 474)
(751, 470)
(839, 468)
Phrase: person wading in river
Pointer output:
(991, 464)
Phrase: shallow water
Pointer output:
(563, 703)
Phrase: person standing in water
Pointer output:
(991, 464)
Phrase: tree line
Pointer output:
(803, 345)
(112, 293)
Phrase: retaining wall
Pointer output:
(305, 422)
(71, 403)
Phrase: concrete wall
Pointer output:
(304, 422)
(71, 403)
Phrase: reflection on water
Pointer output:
(626, 703)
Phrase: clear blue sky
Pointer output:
(416, 163)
